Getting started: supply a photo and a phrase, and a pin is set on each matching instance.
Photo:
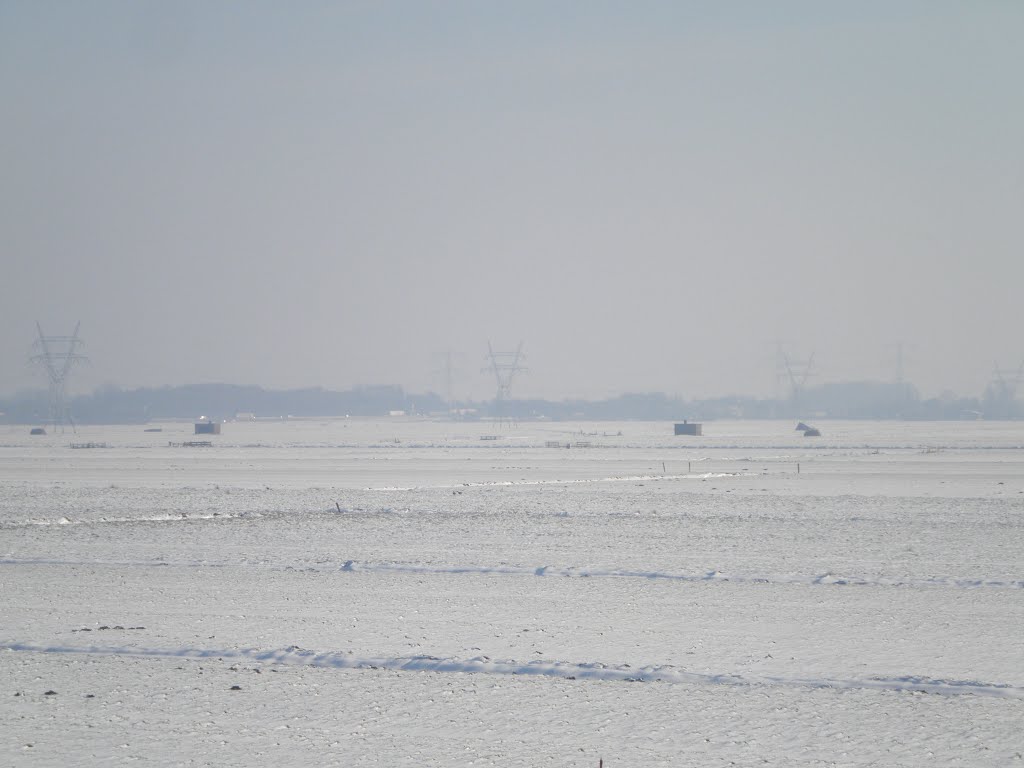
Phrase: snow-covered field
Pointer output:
(401, 592)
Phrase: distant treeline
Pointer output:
(110, 405)
(847, 400)
(843, 400)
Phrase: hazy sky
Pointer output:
(648, 195)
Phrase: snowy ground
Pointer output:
(405, 593)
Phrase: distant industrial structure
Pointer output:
(1000, 400)
(689, 428)
(58, 354)
(504, 366)
(449, 378)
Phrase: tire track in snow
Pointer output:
(709, 576)
(295, 656)
(574, 481)
(352, 566)
(177, 517)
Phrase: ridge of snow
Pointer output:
(352, 566)
(541, 668)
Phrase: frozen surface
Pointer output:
(404, 593)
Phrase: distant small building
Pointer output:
(207, 428)
(690, 428)
(37, 431)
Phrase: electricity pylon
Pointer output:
(58, 354)
(797, 372)
(504, 366)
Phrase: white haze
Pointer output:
(647, 195)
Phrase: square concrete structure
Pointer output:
(690, 428)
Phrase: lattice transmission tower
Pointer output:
(58, 354)
(504, 366)
(795, 373)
